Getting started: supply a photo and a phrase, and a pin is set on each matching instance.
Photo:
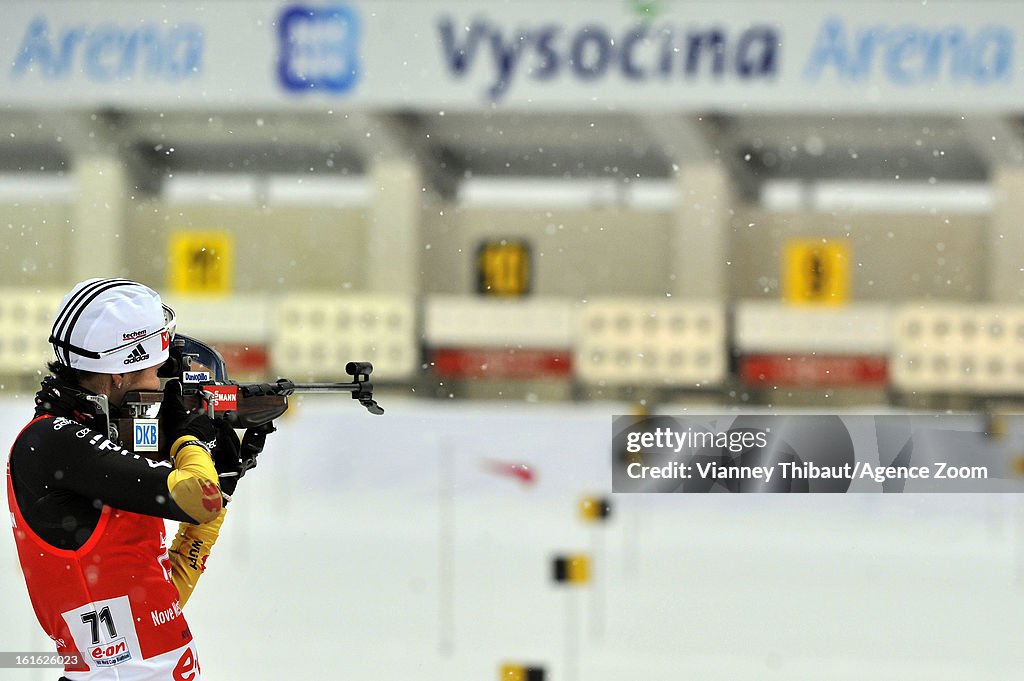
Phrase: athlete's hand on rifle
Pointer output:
(233, 458)
(253, 442)
(176, 421)
(226, 459)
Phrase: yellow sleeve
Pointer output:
(189, 551)
(193, 483)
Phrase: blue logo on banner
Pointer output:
(319, 48)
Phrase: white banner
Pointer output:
(937, 57)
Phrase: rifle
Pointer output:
(249, 405)
(205, 385)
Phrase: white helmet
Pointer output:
(112, 326)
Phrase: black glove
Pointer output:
(227, 459)
(253, 442)
(233, 458)
(175, 421)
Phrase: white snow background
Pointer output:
(381, 548)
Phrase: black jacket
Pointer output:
(64, 469)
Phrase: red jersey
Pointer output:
(111, 600)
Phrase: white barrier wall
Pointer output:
(930, 348)
(773, 327)
(470, 321)
(622, 342)
(316, 334)
(310, 335)
(973, 349)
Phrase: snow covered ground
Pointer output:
(382, 548)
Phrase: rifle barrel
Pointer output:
(360, 390)
(286, 387)
(325, 387)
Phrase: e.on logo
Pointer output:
(187, 668)
(112, 653)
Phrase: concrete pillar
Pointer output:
(1005, 243)
(98, 218)
(700, 233)
(393, 244)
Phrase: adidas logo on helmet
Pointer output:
(139, 354)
